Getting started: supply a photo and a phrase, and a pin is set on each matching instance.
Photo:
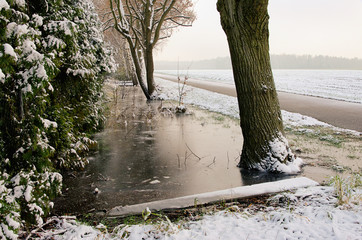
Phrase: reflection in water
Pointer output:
(144, 156)
(255, 177)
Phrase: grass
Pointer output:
(346, 189)
(218, 118)
(352, 157)
(324, 135)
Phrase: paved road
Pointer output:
(337, 113)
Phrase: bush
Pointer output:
(52, 63)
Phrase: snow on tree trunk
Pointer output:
(265, 147)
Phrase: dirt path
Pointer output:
(337, 113)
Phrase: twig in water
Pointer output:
(125, 137)
(179, 162)
(213, 162)
(239, 156)
(185, 162)
(193, 152)
(227, 153)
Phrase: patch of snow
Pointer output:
(202, 98)
(7, 233)
(9, 50)
(154, 95)
(16, 29)
(38, 20)
(41, 73)
(27, 193)
(155, 182)
(297, 119)
(52, 41)
(18, 191)
(2, 76)
(4, 5)
(11, 222)
(309, 213)
(147, 180)
(20, 3)
(279, 150)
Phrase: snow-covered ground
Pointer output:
(343, 85)
(309, 213)
(226, 105)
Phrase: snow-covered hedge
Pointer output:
(52, 59)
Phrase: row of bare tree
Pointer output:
(143, 24)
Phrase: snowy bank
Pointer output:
(309, 213)
(228, 105)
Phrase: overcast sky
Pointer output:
(316, 27)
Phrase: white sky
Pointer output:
(316, 27)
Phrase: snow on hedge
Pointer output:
(4, 5)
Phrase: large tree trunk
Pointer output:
(150, 70)
(136, 62)
(129, 68)
(245, 23)
(148, 46)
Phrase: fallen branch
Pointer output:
(227, 154)
(51, 220)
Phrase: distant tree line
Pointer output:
(283, 61)
(314, 62)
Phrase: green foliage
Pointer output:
(52, 62)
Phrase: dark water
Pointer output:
(145, 156)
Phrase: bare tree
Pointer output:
(245, 23)
(143, 23)
(111, 36)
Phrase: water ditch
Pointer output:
(146, 154)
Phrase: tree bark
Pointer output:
(150, 70)
(136, 62)
(245, 23)
(130, 70)
(148, 46)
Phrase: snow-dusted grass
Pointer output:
(228, 105)
(309, 213)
